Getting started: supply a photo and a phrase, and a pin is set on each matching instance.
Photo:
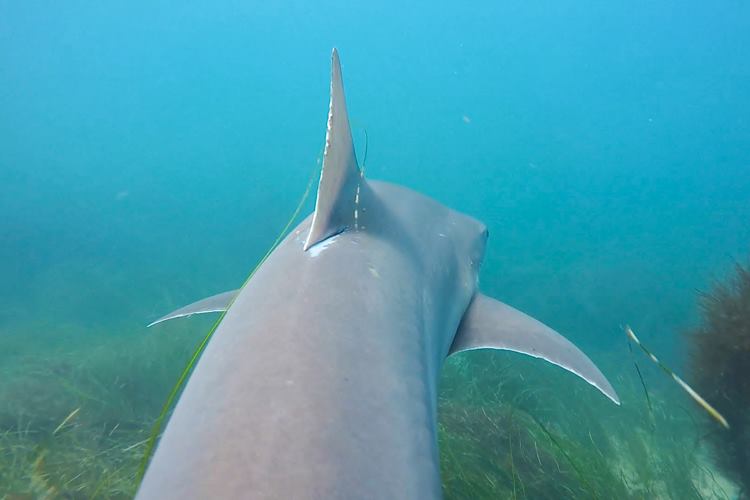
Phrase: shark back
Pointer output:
(320, 382)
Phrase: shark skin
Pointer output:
(320, 382)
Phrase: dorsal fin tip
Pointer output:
(340, 176)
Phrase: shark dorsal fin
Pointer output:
(340, 178)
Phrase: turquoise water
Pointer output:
(150, 153)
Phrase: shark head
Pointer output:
(444, 247)
(441, 249)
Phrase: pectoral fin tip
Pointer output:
(491, 324)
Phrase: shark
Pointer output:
(321, 379)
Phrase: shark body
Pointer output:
(320, 382)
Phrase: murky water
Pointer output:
(150, 154)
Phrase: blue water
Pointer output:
(150, 152)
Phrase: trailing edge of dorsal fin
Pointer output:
(340, 177)
(490, 324)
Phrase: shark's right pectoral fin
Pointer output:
(215, 303)
(490, 324)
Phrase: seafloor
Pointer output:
(75, 417)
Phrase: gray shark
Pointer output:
(320, 382)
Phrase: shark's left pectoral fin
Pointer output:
(215, 303)
(490, 324)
